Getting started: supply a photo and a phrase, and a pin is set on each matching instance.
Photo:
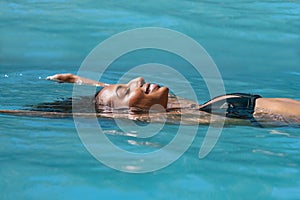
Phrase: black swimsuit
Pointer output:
(235, 105)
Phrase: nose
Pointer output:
(137, 82)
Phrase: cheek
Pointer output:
(136, 98)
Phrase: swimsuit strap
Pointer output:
(234, 105)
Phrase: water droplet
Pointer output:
(40, 77)
(6, 76)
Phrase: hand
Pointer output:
(71, 78)
(64, 78)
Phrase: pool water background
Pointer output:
(255, 45)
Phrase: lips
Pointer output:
(149, 88)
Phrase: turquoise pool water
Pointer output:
(255, 45)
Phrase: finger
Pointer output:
(52, 78)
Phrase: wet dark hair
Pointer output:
(66, 105)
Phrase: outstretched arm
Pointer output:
(71, 78)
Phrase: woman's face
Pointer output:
(136, 94)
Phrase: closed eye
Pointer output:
(122, 91)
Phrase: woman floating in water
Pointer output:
(139, 97)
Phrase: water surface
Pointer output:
(255, 45)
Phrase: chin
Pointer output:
(163, 96)
(160, 93)
(163, 91)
